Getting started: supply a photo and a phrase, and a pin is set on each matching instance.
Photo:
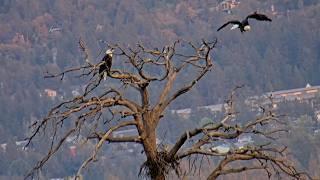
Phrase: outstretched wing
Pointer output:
(259, 17)
(230, 22)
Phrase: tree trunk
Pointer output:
(159, 177)
(212, 177)
(150, 146)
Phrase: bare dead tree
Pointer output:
(145, 114)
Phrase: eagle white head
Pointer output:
(109, 52)
(247, 28)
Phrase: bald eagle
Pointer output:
(105, 67)
(244, 24)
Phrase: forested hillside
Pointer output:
(39, 36)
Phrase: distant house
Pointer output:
(317, 113)
(49, 93)
(244, 141)
(53, 29)
(127, 132)
(299, 94)
(273, 10)
(19, 39)
(185, 113)
(223, 149)
(4, 147)
(22, 144)
(129, 147)
(75, 93)
(99, 28)
(228, 5)
(73, 151)
(214, 108)
(78, 139)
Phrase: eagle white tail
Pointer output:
(104, 75)
(235, 26)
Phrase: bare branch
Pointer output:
(100, 143)
(50, 153)
(238, 170)
(185, 136)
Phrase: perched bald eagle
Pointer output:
(105, 67)
(244, 24)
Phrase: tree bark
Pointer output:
(160, 177)
(150, 120)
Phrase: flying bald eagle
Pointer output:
(105, 67)
(244, 24)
